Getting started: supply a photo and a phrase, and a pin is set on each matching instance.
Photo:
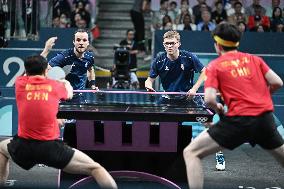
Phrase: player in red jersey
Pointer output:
(246, 84)
(37, 140)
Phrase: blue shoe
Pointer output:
(220, 161)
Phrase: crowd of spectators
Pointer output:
(78, 17)
(23, 18)
(180, 15)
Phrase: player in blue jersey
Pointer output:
(79, 58)
(82, 72)
(176, 69)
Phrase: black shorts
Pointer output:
(26, 153)
(231, 132)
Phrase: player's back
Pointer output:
(242, 83)
(37, 101)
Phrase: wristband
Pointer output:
(92, 82)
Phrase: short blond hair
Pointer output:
(172, 34)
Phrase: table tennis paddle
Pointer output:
(56, 73)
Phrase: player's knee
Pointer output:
(188, 153)
(3, 152)
(191, 152)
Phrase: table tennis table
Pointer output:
(132, 131)
(135, 106)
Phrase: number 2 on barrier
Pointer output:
(7, 71)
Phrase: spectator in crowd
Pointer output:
(206, 24)
(274, 4)
(258, 19)
(64, 21)
(85, 15)
(30, 15)
(219, 14)
(183, 11)
(250, 10)
(238, 15)
(86, 4)
(81, 24)
(276, 19)
(197, 9)
(56, 22)
(186, 2)
(242, 26)
(203, 7)
(167, 23)
(75, 20)
(4, 12)
(137, 17)
(148, 31)
(259, 28)
(280, 28)
(130, 43)
(173, 10)
(60, 6)
(230, 7)
(187, 24)
(158, 15)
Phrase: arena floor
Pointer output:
(246, 167)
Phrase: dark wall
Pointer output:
(64, 41)
(252, 42)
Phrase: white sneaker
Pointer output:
(220, 161)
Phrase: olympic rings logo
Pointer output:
(201, 119)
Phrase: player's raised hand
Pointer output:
(50, 43)
(48, 46)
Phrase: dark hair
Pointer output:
(218, 2)
(242, 22)
(81, 30)
(184, 1)
(274, 10)
(35, 65)
(173, 3)
(129, 30)
(163, 1)
(227, 32)
(238, 3)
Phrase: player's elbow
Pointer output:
(210, 101)
(279, 83)
(210, 96)
(276, 85)
(273, 80)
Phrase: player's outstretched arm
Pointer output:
(198, 83)
(92, 78)
(211, 102)
(68, 87)
(48, 46)
(149, 84)
(273, 80)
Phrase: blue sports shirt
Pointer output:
(176, 75)
(79, 67)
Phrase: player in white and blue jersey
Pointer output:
(176, 69)
(79, 58)
(82, 72)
